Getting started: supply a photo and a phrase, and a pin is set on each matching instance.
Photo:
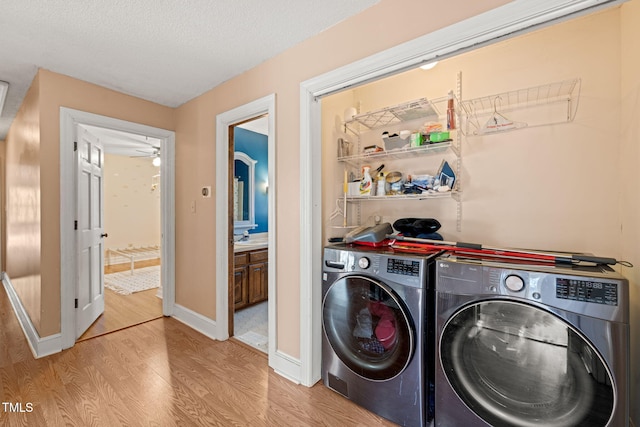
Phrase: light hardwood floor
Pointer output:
(123, 311)
(159, 373)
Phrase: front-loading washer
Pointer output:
(523, 345)
(377, 343)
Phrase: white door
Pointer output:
(90, 233)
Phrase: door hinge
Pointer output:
(75, 145)
(75, 224)
(76, 303)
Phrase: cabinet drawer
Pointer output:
(240, 259)
(258, 256)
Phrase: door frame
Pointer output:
(512, 19)
(69, 120)
(224, 241)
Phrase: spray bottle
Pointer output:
(366, 183)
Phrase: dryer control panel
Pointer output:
(598, 295)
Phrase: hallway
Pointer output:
(157, 373)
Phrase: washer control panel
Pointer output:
(587, 291)
(405, 267)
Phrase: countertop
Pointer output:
(256, 241)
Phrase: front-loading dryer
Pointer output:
(377, 345)
(523, 345)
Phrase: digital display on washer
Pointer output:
(587, 291)
(404, 267)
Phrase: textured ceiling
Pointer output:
(165, 51)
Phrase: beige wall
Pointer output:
(33, 169)
(131, 206)
(629, 161)
(3, 230)
(23, 197)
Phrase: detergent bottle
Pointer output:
(366, 183)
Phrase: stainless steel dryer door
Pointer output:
(368, 327)
(515, 364)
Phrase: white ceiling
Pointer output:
(163, 51)
(260, 125)
(124, 143)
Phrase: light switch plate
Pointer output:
(206, 192)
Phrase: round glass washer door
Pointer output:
(368, 327)
(520, 366)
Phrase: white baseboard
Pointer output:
(281, 363)
(196, 321)
(40, 347)
(286, 366)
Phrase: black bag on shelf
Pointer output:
(414, 227)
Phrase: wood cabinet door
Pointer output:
(258, 282)
(240, 286)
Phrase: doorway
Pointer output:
(248, 214)
(225, 123)
(69, 122)
(132, 243)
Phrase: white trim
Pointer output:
(69, 119)
(196, 321)
(286, 366)
(265, 105)
(40, 347)
(310, 237)
(512, 19)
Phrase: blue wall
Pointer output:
(255, 145)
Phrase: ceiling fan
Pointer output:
(155, 155)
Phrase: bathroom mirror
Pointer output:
(243, 193)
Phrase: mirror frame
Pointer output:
(240, 227)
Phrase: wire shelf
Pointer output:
(419, 109)
(523, 98)
(400, 153)
(565, 93)
(431, 195)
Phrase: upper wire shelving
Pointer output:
(421, 108)
(559, 100)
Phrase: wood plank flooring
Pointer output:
(159, 373)
(123, 311)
